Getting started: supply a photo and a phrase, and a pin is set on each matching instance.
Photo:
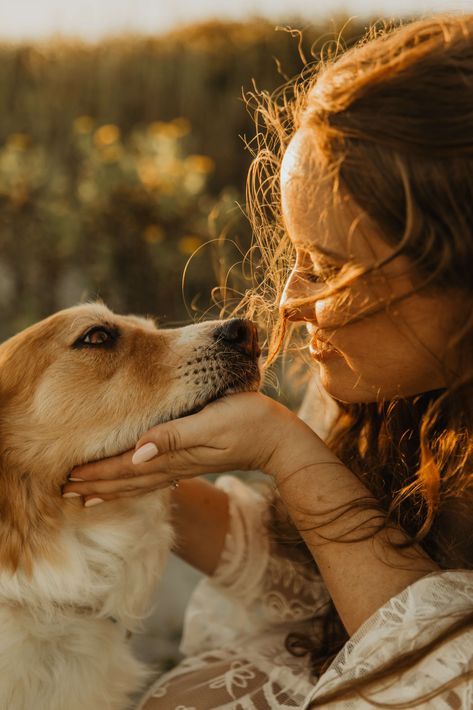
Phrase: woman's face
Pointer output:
(397, 350)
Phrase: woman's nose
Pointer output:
(297, 301)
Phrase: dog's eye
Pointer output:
(96, 337)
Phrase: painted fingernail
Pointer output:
(73, 478)
(92, 501)
(145, 453)
(71, 494)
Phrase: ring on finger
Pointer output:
(174, 484)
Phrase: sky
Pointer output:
(94, 19)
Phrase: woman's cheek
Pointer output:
(327, 314)
(334, 319)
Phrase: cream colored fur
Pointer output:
(74, 579)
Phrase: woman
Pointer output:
(376, 198)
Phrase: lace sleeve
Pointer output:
(253, 587)
(408, 622)
(251, 568)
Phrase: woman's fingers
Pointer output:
(186, 433)
(111, 468)
(221, 437)
(116, 487)
(92, 500)
(116, 479)
(116, 467)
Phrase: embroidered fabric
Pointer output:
(237, 622)
(410, 620)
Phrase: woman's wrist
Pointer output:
(342, 525)
(296, 447)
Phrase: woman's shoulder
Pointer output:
(419, 614)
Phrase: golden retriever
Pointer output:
(81, 385)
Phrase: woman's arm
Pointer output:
(250, 431)
(360, 576)
(200, 516)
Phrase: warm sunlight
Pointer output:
(86, 18)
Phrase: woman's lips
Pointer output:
(321, 350)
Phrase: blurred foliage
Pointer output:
(119, 161)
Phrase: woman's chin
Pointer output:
(345, 386)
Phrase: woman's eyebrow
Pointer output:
(329, 254)
(323, 251)
(310, 246)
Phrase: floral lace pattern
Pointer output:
(237, 622)
(408, 622)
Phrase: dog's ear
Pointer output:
(26, 508)
(28, 521)
(28, 515)
(13, 516)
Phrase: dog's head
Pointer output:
(86, 384)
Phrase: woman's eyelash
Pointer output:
(315, 269)
(320, 274)
(311, 276)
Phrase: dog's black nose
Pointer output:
(241, 335)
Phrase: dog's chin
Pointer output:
(118, 443)
(205, 398)
(218, 394)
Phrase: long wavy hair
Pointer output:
(393, 119)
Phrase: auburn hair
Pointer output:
(393, 119)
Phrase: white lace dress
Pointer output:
(237, 622)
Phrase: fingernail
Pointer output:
(145, 453)
(71, 494)
(92, 501)
(73, 478)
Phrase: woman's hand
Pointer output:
(246, 431)
(321, 495)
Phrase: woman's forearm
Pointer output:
(200, 517)
(360, 576)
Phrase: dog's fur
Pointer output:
(73, 579)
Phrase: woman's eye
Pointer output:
(96, 337)
(318, 276)
(315, 272)
(310, 276)
(326, 272)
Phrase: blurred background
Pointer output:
(123, 159)
(122, 142)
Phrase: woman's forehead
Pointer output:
(317, 216)
(307, 198)
(302, 159)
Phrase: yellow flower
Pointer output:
(200, 163)
(182, 126)
(106, 135)
(153, 234)
(174, 129)
(87, 191)
(83, 124)
(188, 245)
(111, 153)
(18, 141)
(148, 172)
